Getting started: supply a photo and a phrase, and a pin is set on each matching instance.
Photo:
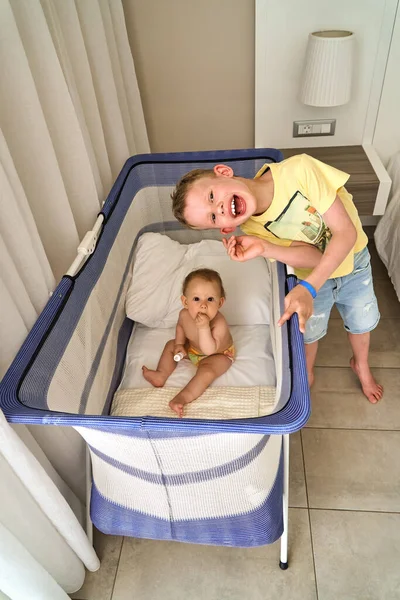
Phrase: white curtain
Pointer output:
(40, 537)
(70, 115)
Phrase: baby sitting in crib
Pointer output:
(202, 335)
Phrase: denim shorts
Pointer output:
(354, 297)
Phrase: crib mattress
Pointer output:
(254, 364)
(246, 390)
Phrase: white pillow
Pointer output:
(160, 266)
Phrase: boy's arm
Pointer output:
(298, 255)
(344, 237)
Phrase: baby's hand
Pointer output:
(180, 348)
(202, 321)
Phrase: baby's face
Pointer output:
(202, 297)
(221, 202)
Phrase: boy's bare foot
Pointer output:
(177, 405)
(372, 390)
(156, 378)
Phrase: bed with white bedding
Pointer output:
(387, 233)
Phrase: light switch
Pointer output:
(325, 128)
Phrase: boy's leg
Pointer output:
(311, 355)
(358, 307)
(165, 366)
(359, 363)
(208, 370)
(317, 325)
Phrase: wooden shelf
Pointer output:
(363, 183)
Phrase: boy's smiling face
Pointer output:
(222, 202)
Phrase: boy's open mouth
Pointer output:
(237, 206)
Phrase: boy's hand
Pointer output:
(298, 300)
(245, 247)
(202, 321)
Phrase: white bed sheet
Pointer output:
(253, 366)
(387, 233)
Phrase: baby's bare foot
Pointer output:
(177, 405)
(154, 377)
(372, 390)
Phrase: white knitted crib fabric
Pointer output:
(200, 487)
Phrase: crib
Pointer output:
(196, 480)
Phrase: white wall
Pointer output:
(386, 140)
(283, 29)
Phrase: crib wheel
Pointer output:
(283, 565)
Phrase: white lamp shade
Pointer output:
(328, 68)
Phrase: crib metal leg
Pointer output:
(283, 563)
(89, 524)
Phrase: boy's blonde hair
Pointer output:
(207, 275)
(182, 188)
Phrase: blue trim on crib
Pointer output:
(181, 479)
(262, 526)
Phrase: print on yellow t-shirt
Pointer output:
(302, 222)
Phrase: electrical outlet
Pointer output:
(305, 129)
(314, 128)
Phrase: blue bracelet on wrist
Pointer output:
(308, 287)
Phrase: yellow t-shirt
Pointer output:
(304, 189)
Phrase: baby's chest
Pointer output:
(191, 332)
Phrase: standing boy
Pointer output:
(299, 212)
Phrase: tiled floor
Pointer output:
(344, 493)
